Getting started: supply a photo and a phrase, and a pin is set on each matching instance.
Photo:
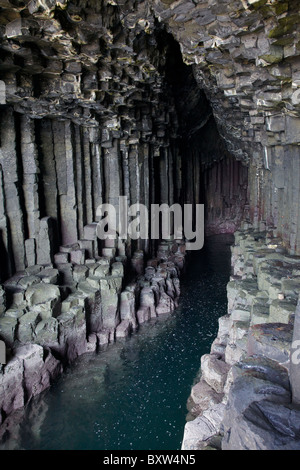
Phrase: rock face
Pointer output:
(47, 328)
(251, 374)
(163, 102)
(96, 102)
(28, 373)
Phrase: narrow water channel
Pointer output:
(133, 395)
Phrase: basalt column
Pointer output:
(161, 102)
(216, 179)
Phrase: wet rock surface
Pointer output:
(252, 369)
(161, 101)
(92, 92)
(55, 326)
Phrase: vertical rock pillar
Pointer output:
(295, 358)
(12, 192)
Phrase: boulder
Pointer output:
(48, 275)
(12, 394)
(72, 334)
(40, 368)
(42, 294)
(281, 311)
(26, 327)
(123, 329)
(143, 314)
(214, 371)
(203, 428)
(268, 426)
(204, 396)
(127, 308)
(252, 380)
(46, 332)
(272, 340)
(8, 326)
(165, 304)
(147, 299)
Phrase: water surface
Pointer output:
(133, 395)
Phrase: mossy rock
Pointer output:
(257, 3)
(274, 56)
(285, 26)
(281, 8)
(284, 41)
(168, 2)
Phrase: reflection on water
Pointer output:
(133, 394)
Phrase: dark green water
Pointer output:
(133, 395)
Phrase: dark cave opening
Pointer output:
(211, 175)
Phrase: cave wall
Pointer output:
(79, 126)
(245, 56)
(55, 173)
(90, 110)
(95, 102)
(218, 179)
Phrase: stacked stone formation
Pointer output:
(248, 393)
(90, 102)
(84, 100)
(80, 305)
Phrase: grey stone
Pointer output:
(66, 272)
(295, 358)
(102, 271)
(42, 293)
(205, 396)
(92, 343)
(8, 329)
(2, 92)
(117, 269)
(281, 311)
(27, 281)
(46, 332)
(143, 314)
(123, 329)
(30, 250)
(49, 275)
(128, 308)
(203, 427)
(214, 371)
(292, 126)
(90, 231)
(45, 247)
(80, 273)
(165, 304)
(72, 334)
(27, 324)
(265, 425)
(12, 396)
(61, 258)
(40, 368)
(77, 256)
(271, 340)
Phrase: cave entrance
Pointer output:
(149, 134)
(208, 174)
